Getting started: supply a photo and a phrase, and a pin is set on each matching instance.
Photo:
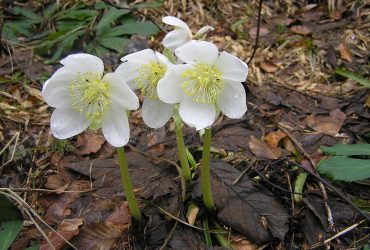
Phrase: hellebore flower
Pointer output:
(143, 70)
(182, 33)
(208, 83)
(83, 97)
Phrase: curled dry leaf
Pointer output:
(262, 150)
(89, 142)
(329, 125)
(345, 52)
(273, 138)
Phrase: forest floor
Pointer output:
(296, 104)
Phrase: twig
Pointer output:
(45, 190)
(313, 165)
(258, 32)
(16, 138)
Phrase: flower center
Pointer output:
(90, 95)
(149, 75)
(204, 83)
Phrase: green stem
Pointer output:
(205, 174)
(182, 154)
(127, 186)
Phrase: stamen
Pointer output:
(149, 75)
(90, 95)
(204, 83)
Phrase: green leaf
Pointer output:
(141, 28)
(363, 81)
(100, 50)
(169, 54)
(298, 187)
(50, 10)
(80, 15)
(150, 5)
(8, 210)
(112, 15)
(115, 43)
(345, 169)
(8, 232)
(32, 248)
(32, 17)
(348, 149)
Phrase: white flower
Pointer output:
(209, 82)
(182, 34)
(143, 70)
(83, 98)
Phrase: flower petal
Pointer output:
(232, 100)
(66, 123)
(141, 57)
(197, 51)
(55, 90)
(156, 113)
(231, 67)
(129, 72)
(115, 126)
(163, 59)
(169, 87)
(121, 93)
(174, 21)
(176, 39)
(83, 63)
(197, 115)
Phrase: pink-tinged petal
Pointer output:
(84, 63)
(197, 52)
(232, 100)
(196, 114)
(231, 67)
(66, 123)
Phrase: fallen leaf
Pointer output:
(329, 125)
(242, 243)
(345, 52)
(269, 67)
(89, 142)
(288, 145)
(120, 219)
(262, 150)
(68, 229)
(273, 138)
(301, 29)
(246, 206)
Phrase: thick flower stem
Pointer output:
(205, 174)
(182, 154)
(127, 186)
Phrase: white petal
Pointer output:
(66, 123)
(156, 113)
(169, 87)
(55, 90)
(174, 21)
(115, 126)
(203, 31)
(197, 51)
(163, 59)
(176, 39)
(83, 63)
(232, 100)
(231, 67)
(121, 93)
(129, 72)
(197, 115)
(141, 57)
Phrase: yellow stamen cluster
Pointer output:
(90, 95)
(204, 83)
(149, 75)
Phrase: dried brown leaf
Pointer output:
(301, 29)
(273, 138)
(329, 125)
(269, 67)
(89, 142)
(262, 150)
(345, 52)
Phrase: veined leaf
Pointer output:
(115, 43)
(363, 81)
(80, 15)
(348, 149)
(112, 15)
(345, 169)
(31, 16)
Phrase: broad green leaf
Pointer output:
(345, 169)
(31, 16)
(115, 43)
(80, 15)
(67, 26)
(348, 149)
(116, 31)
(50, 10)
(8, 210)
(100, 6)
(8, 233)
(112, 15)
(141, 28)
(9, 33)
(363, 81)
(100, 50)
